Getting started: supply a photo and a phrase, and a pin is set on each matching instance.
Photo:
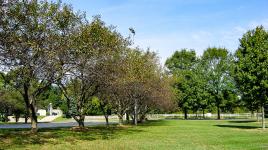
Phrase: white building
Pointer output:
(56, 112)
(41, 112)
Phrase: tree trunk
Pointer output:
(27, 112)
(105, 113)
(68, 107)
(30, 109)
(33, 119)
(132, 118)
(107, 119)
(263, 117)
(17, 117)
(219, 113)
(1, 117)
(120, 114)
(80, 120)
(203, 113)
(252, 114)
(142, 118)
(6, 115)
(135, 113)
(121, 121)
(257, 115)
(25, 118)
(185, 114)
(81, 123)
(127, 117)
(34, 125)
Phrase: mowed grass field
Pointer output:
(161, 134)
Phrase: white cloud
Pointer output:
(230, 38)
(166, 44)
(254, 24)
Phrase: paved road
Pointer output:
(49, 125)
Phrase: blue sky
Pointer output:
(168, 25)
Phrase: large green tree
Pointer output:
(251, 68)
(182, 64)
(218, 74)
(202, 97)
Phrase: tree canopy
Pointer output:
(251, 71)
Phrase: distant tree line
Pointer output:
(221, 80)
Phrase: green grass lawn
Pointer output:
(163, 134)
(40, 117)
(61, 119)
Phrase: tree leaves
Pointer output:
(251, 65)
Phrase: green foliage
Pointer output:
(203, 83)
(251, 69)
(52, 95)
(11, 102)
(251, 72)
(93, 107)
(218, 68)
(32, 36)
(189, 85)
(181, 60)
(46, 43)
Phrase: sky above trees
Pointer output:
(169, 25)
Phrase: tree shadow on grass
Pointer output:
(242, 121)
(154, 123)
(237, 126)
(11, 138)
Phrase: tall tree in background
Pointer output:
(181, 64)
(11, 101)
(251, 68)
(217, 68)
(203, 98)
